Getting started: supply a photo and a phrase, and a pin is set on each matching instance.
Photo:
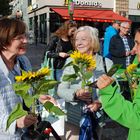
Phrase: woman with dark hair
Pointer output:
(125, 112)
(60, 45)
(13, 42)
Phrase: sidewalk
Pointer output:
(36, 54)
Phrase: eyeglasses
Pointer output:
(126, 28)
(21, 37)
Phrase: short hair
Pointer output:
(63, 30)
(117, 21)
(94, 33)
(124, 23)
(137, 30)
(9, 29)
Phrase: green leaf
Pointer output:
(15, 114)
(21, 87)
(76, 68)
(57, 111)
(69, 77)
(28, 99)
(22, 90)
(45, 85)
(69, 64)
(51, 108)
(48, 105)
(88, 75)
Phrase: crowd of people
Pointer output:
(82, 105)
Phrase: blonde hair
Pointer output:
(94, 33)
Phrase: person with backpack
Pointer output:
(60, 46)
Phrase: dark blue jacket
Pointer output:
(117, 50)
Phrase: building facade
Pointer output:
(43, 19)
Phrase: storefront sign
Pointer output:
(92, 3)
(88, 3)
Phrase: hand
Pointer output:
(128, 53)
(103, 81)
(84, 95)
(133, 51)
(44, 98)
(63, 55)
(26, 121)
(94, 106)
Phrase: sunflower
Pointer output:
(131, 68)
(84, 60)
(33, 75)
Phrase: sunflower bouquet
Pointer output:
(83, 65)
(132, 74)
(29, 86)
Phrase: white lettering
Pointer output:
(87, 3)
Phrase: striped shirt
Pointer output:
(127, 49)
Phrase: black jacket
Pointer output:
(117, 50)
(55, 46)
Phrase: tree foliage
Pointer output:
(4, 7)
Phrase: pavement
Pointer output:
(112, 130)
(35, 53)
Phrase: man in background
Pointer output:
(120, 49)
(121, 45)
(110, 31)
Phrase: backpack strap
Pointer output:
(104, 64)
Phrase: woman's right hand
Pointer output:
(103, 81)
(84, 95)
(63, 54)
(26, 121)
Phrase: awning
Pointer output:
(91, 15)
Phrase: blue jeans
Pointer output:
(58, 74)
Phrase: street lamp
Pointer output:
(34, 7)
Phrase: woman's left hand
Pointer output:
(44, 98)
(94, 106)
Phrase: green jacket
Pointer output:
(124, 112)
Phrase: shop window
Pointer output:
(29, 2)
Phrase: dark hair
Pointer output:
(63, 30)
(9, 29)
(137, 30)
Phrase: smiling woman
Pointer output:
(12, 48)
(80, 70)
(13, 43)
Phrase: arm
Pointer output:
(51, 47)
(119, 109)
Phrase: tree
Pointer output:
(5, 8)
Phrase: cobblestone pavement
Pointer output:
(112, 130)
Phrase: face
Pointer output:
(71, 31)
(83, 42)
(18, 45)
(137, 45)
(124, 30)
(117, 26)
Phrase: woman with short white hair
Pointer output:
(86, 41)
